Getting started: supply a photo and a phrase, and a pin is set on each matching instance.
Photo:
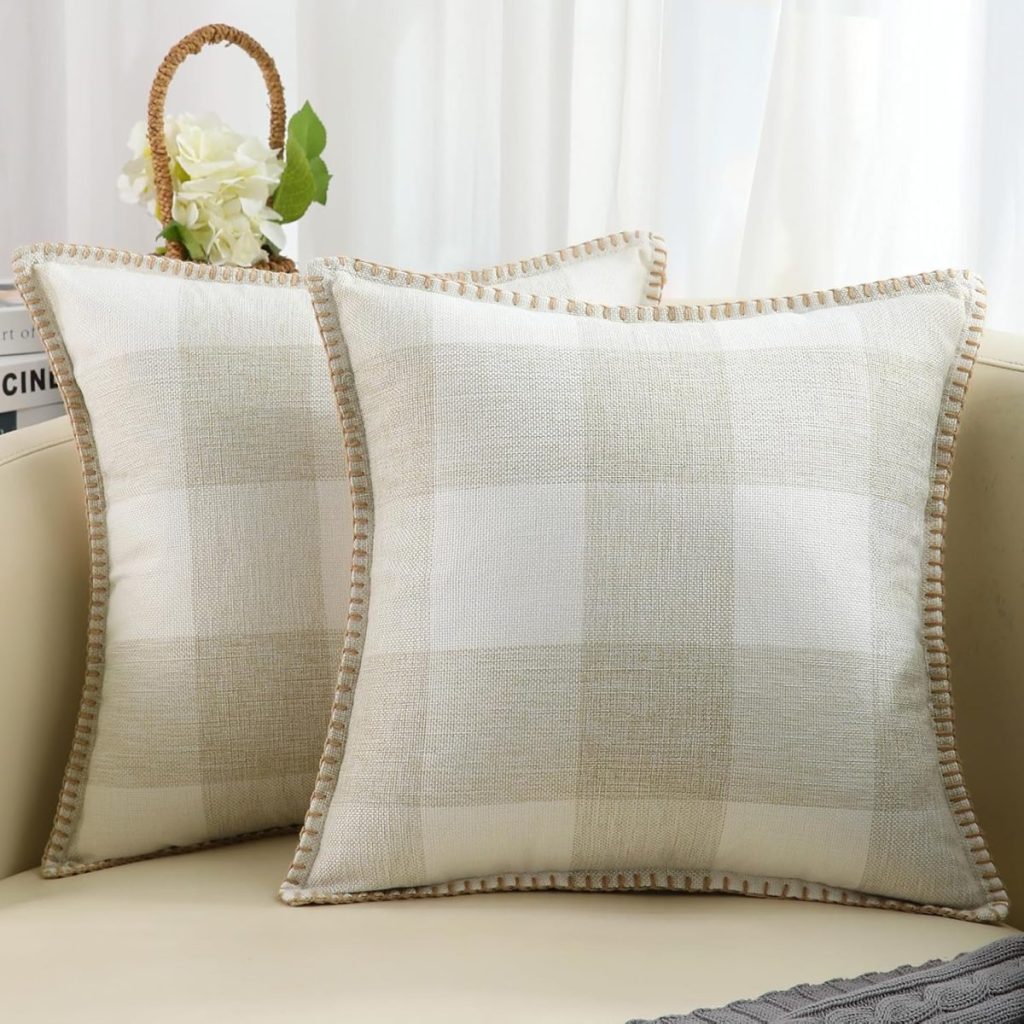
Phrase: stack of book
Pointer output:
(28, 390)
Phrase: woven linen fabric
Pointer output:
(646, 598)
(220, 531)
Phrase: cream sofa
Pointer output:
(202, 937)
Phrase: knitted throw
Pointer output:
(982, 987)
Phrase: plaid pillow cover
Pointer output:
(646, 598)
(220, 529)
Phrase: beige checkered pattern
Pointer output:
(221, 535)
(640, 598)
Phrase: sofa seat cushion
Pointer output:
(202, 937)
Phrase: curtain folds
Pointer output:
(779, 146)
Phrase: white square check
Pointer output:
(803, 568)
(519, 837)
(532, 538)
(796, 842)
(154, 590)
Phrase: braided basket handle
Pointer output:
(192, 44)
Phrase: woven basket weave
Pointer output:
(192, 44)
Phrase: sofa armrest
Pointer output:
(44, 591)
(985, 602)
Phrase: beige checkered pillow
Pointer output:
(646, 598)
(220, 532)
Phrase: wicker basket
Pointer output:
(191, 44)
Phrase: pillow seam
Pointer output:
(653, 254)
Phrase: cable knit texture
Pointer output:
(982, 987)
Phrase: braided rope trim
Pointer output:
(652, 251)
(56, 859)
(960, 283)
(354, 439)
(645, 880)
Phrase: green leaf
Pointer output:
(321, 179)
(175, 232)
(297, 188)
(308, 131)
(305, 178)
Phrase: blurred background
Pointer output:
(779, 146)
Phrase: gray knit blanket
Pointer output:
(983, 987)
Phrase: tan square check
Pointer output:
(646, 598)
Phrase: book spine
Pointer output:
(26, 382)
(27, 417)
(17, 332)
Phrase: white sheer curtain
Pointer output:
(779, 145)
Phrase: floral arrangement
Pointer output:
(232, 192)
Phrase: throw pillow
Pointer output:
(646, 598)
(220, 524)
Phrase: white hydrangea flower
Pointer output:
(222, 182)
